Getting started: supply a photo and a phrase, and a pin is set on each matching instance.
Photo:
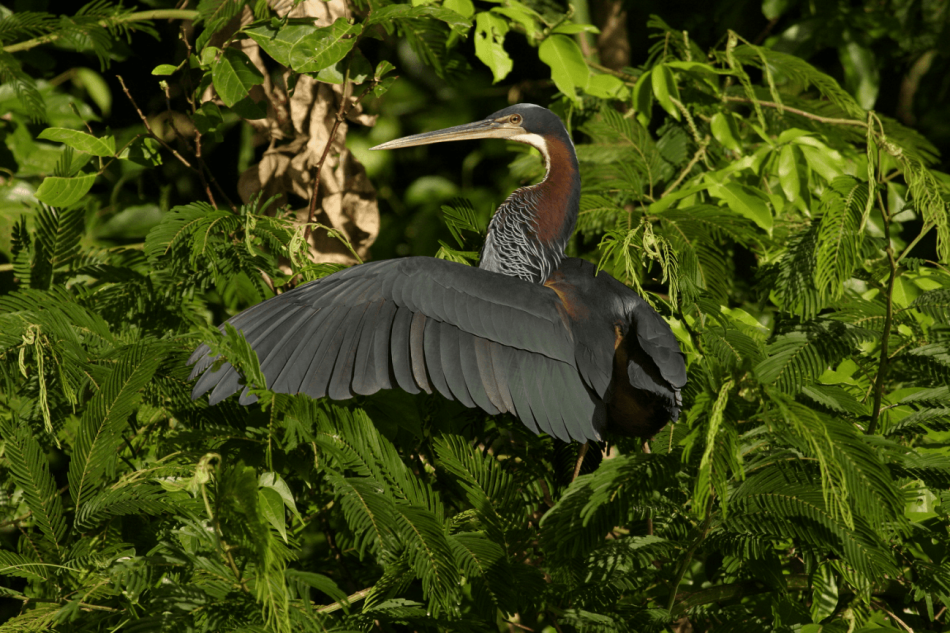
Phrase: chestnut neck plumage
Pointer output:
(529, 231)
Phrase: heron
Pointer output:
(568, 350)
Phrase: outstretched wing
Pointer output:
(489, 341)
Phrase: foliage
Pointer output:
(776, 223)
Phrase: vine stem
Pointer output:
(888, 320)
(681, 572)
(356, 597)
(807, 115)
(141, 16)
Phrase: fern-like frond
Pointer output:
(102, 423)
(30, 469)
(801, 355)
(838, 253)
(431, 556)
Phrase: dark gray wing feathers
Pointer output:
(483, 339)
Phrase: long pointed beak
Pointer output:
(469, 131)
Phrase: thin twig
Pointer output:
(692, 163)
(341, 113)
(610, 71)
(688, 557)
(807, 115)
(356, 597)
(82, 605)
(181, 159)
(923, 231)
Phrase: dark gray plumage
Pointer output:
(530, 332)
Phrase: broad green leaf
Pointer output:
(209, 56)
(164, 69)
(143, 151)
(382, 68)
(568, 68)
(96, 87)
(862, 75)
(80, 141)
(272, 508)
(234, 74)
(490, 31)
(667, 201)
(824, 592)
(743, 201)
(607, 87)
(359, 70)
(278, 42)
(524, 16)
(249, 109)
(464, 8)
(383, 86)
(773, 9)
(789, 171)
(643, 97)
(823, 160)
(725, 131)
(665, 90)
(276, 482)
(572, 28)
(458, 23)
(62, 192)
(324, 47)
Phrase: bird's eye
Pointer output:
(515, 118)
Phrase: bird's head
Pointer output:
(523, 123)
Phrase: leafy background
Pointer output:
(771, 175)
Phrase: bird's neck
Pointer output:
(528, 233)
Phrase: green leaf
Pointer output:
(278, 43)
(465, 8)
(862, 75)
(665, 90)
(80, 141)
(272, 509)
(382, 68)
(643, 97)
(523, 15)
(572, 28)
(789, 168)
(745, 202)
(234, 74)
(568, 68)
(144, 151)
(164, 69)
(324, 47)
(824, 592)
(823, 160)
(359, 68)
(607, 87)
(490, 33)
(96, 87)
(724, 130)
(275, 482)
(63, 192)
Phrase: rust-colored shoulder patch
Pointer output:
(569, 300)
